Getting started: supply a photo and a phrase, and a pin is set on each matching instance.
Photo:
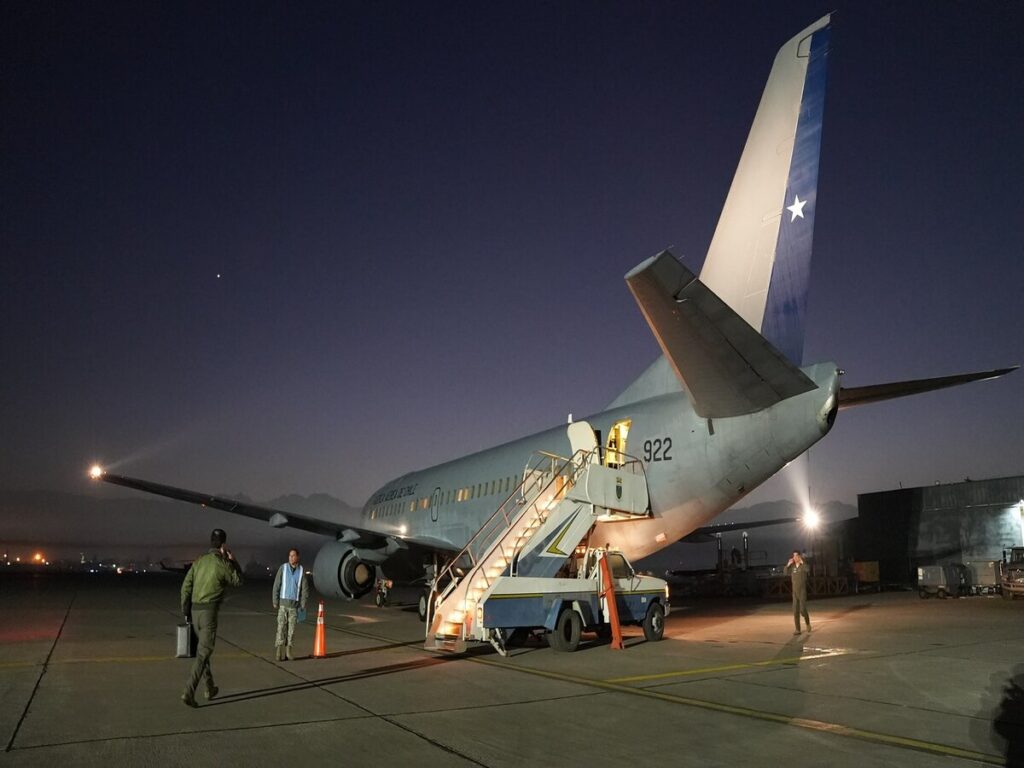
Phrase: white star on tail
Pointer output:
(797, 208)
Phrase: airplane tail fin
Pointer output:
(759, 259)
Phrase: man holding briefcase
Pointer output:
(201, 595)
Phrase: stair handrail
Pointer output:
(557, 465)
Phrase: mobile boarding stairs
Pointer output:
(532, 534)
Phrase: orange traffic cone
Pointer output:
(320, 641)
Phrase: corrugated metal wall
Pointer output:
(955, 523)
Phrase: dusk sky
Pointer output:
(299, 248)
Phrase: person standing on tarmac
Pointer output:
(201, 595)
(289, 594)
(796, 569)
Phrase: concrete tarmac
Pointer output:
(88, 677)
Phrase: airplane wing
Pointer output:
(707, 533)
(275, 517)
(851, 396)
(726, 367)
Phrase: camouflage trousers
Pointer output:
(286, 618)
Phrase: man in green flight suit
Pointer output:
(796, 569)
(201, 595)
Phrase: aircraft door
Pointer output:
(582, 438)
(435, 501)
(615, 454)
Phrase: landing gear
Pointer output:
(423, 604)
(654, 623)
(566, 634)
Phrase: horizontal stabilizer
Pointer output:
(851, 396)
(726, 367)
(708, 532)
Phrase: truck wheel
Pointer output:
(654, 623)
(942, 593)
(566, 634)
(923, 593)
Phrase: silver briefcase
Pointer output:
(186, 641)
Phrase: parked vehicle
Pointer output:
(983, 577)
(942, 580)
(1013, 574)
(565, 607)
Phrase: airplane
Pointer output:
(727, 404)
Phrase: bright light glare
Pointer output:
(96, 472)
(811, 519)
(38, 557)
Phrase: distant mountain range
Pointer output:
(105, 525)
(110, 524)
(768, 545)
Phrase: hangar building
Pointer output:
(942, 523)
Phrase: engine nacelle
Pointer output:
(341, 570)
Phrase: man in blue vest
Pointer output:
(290, 594)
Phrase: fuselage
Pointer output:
(695, 467)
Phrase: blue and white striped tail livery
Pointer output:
(759, 259)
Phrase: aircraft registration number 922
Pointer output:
(658, 449)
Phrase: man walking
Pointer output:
(201, 595)
(289, 594)
(796, 569)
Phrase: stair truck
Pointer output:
(529, 567)
(563, 608)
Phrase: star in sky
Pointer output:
(797, 208)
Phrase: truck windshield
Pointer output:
(620, 568)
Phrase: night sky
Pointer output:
(289, 248)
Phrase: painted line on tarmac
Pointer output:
(820, 726)
(109, 660)
(42, 672)
(727, 667)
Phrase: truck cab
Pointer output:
(1012, 581)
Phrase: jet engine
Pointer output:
(341, 570)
